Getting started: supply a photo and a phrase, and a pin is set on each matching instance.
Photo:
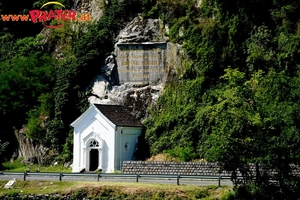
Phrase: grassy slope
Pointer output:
(105, 190)
(18, 166)
(121, 190)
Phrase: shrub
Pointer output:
(184, 154)
(79, 194)
(201, 194)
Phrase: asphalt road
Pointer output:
(182, 181)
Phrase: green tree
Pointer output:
(255, 121)
(26, 77)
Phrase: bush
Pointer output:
(105, 193)
(159, 195)
(201, 194)
(16, 164)
(264, 192)
(12, 195)
(79, 194)
(184, 154)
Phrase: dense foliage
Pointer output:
(235, 100)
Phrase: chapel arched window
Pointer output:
(94, 143)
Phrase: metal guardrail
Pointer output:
(111, 175)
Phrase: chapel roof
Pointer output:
(119, 115)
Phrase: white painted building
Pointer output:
(104, 137)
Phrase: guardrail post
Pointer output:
(219, 181)
(60, 176)
(178, 176)
(98, 177)
(137, 178)
(24, 176)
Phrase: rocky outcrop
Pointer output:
(142, 30)
(93, 7)
(138, 97)
(109, 70)
(28, 150)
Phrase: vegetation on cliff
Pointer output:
(235, 99)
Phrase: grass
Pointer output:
(120, 190)
(18, 166)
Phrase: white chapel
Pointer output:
(104, 137)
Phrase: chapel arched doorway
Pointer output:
(94, 159)
(93, 155)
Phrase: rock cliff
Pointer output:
(94, 7)
(28, 150)
(137, 93)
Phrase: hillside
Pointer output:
(233, 99)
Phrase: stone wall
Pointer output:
(191, 168)
(182, 168)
